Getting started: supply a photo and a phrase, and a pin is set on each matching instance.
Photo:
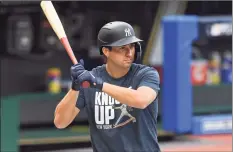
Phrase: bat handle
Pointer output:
(69, 50)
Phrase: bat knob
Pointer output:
(85, 84)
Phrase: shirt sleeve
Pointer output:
(80, 104)
(151, 79)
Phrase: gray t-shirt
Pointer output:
(116, 127)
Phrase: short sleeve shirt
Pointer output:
(116, 127)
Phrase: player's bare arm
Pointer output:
(66, 110)
(139, 98)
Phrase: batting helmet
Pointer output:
(119, 33)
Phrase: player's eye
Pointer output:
(121, 49)
(132, 45)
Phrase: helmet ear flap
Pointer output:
(138, 53)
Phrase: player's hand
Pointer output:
(77, 67)
(79, 74)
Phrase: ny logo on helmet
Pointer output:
(127, 32)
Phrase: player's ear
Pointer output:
(105, 51)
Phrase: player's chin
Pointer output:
(127, 64)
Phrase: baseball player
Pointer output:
(121, 81)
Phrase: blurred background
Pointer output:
(189, 43)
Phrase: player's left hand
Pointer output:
(79, 74)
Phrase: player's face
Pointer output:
(123, 55)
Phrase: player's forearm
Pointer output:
(124, 95)
(64, 112)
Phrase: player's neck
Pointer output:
(116, 72)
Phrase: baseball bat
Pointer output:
(57, 26)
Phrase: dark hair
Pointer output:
(108, 47)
